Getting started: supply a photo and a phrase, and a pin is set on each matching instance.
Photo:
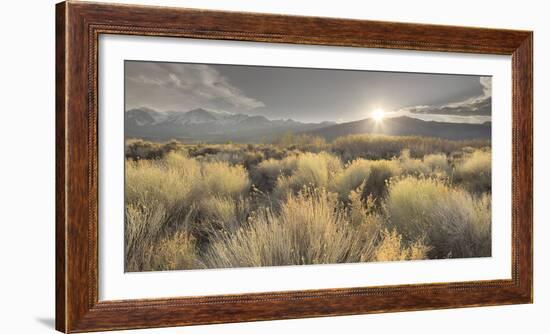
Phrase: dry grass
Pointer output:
(312, 171)
(174, 252)
(175, 194)
(391, 248)
(452, 221)
(309, 229)
(268, 171)
(143, 225)
(354, 175)
(373, 174)
(381, 172)
(436, 163)
(474, 173)
(412, 166)
(386, 147)
(305, 201)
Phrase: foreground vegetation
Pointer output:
(304, 201)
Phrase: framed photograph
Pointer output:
(223, 167)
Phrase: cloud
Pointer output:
(184, 86)
(475, 106)
(487, 84)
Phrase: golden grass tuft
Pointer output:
(312, 171)
(391, 248)
(474, 173)
(451, 220)
(309, 229)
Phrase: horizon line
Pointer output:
(389, 115)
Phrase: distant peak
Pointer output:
(198, 110)
(258, 117)
(143, 109)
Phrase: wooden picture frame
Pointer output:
(78, 27)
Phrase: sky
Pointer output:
(304, 94)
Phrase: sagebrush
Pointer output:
(302, 200)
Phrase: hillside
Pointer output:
(406, 126)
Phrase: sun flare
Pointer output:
(378, 115)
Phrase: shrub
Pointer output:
(170, 181)
(372, 146)
(309, 229)
(220, 178)
(218, 208)
(173, 253)
(219, 214)
(178, 194)
(474, 173)
(302, 142)
(268, 171)
(138, 149)
(391, 248)
(436, 163)
(190, 206)
(232, 154)
(312, 171)
(180, 183)
(364, 218)
(411, 166)
(380, 173)
(142, 226)
(451, 220)
(354, 175)
(373, 174)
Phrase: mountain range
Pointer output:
(407, 126)
(215, 126)
(207, 125)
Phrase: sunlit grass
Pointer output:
(305, 201)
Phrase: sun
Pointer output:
(378, 115)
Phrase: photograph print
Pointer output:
(232, 166)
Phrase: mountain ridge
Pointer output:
(206, 125)
(217, 126)
(406, 126)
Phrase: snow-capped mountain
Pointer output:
(195, 116)
(207, 125)
(142, 117)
